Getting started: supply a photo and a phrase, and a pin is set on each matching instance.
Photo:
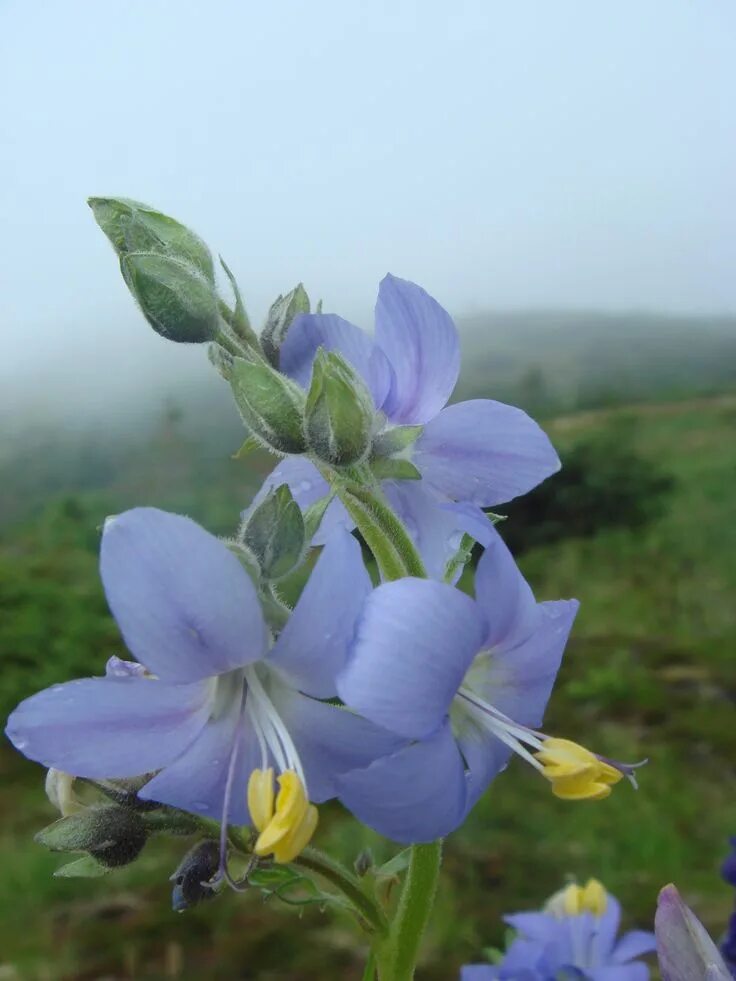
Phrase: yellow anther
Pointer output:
(574, 772)
(292, 825)
(260, 797)
(574, 900)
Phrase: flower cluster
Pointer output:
(574, 936)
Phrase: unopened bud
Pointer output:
(113, 835)
(192, 877)
(280, 317)
(271, 405)
(174, 297)
(339, 414)
(274, 533)
(135, 227)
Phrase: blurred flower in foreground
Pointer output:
(218, 705)
(573, 937)
(728, 947)
(685, 951)
(478, 453)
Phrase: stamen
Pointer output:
(574, 772)
(289, 829)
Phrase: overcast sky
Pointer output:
(502, 154)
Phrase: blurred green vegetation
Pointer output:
(648, 673)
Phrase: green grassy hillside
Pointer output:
(649, 673)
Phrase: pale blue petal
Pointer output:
(184, 604)
(484, 452)
(414, 795)
(196, 781)
(485, 757)
(471, 520)
(413, 645)
(518, 681)
(421, 343)
(622, 972)
(634, 944)
(478, 972)
(311, 331)
(313, 646)
(110, 727)
(606, 929)
(330, 740)
(504, 595)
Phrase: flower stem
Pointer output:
(348, 884)
(397, 958)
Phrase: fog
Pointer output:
(561, 155)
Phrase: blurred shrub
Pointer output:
(604, 483)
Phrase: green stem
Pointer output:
(348, 884)
(369, 974)
(398, 956)
(385, 535)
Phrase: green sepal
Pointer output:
(238, 318)
(280, 317)
(250, 445)
(339, 412)
(85, 867)
(396, 440)
(247, 559)
(399, 863)
(135, 227)
(174, 297)
(460, 559)
(170, 821)
(271, 404)
(313, 516)
(274, 533)
(394, 468)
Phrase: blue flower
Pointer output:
(479, 453)
(728, 944)
(217, 701)
(465, 681)
(574, 937)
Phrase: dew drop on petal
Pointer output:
(454, 540)
(201, 805)
(304, 486)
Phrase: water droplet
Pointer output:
(454, 540)
(57, 687)
(200, 805)
(20, 744)
(304, 486)
(214, 762)
(411, 526)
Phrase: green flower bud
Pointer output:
(112, 835)
(176, 300)
(134, 227)
(280, 316)
(339, 414)
(274, 533)
(271, 405)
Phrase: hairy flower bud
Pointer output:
(191, 879)
(283, 311)
(274, 533)
(174, 297)
(135, 227)
(271, 404)
(113, 835)
(339, 412)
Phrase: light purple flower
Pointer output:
(479, 452)
(684, 949)
(463, 679)
(551, 945)
(217, 697)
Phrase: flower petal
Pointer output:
(184, 604)
(330, 740)
(622, 972)
(421, 342)
(196, 781)
(313, 646)
(485, 757)
(414, 642)
(606, 929)
(504, 595)
(634, 944)
(109, 727)
(417, 794)
(314, 330)
(484, 452)
(518, 681)
(684, 949)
